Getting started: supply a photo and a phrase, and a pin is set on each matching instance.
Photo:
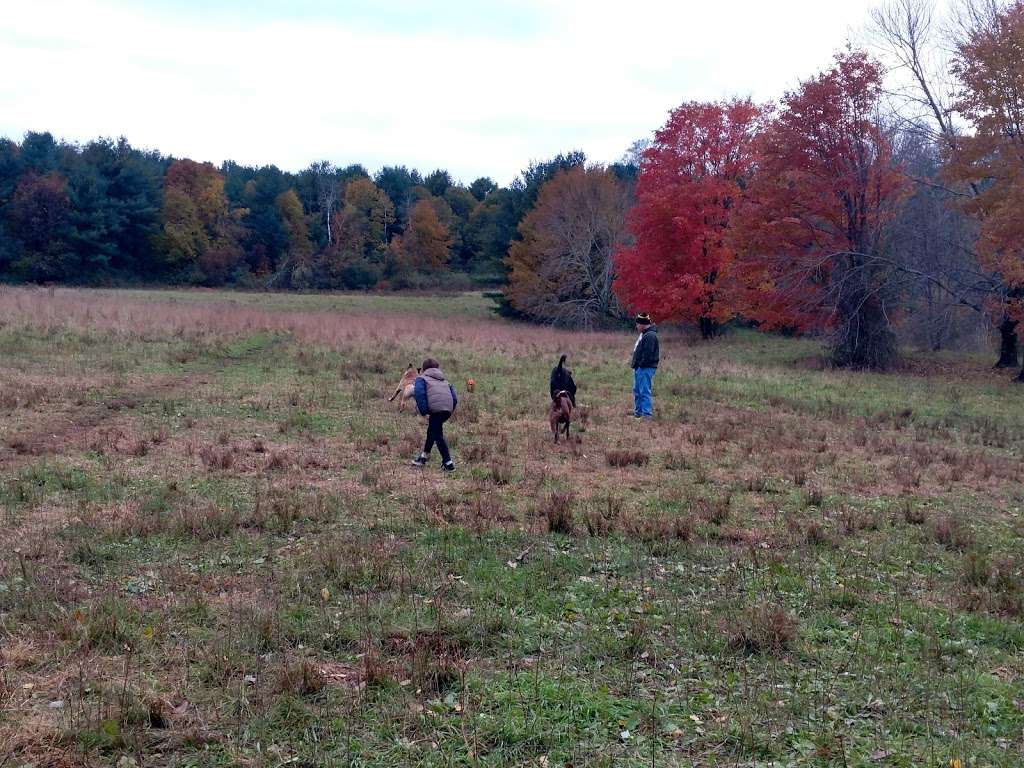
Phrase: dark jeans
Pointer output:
(435, 434)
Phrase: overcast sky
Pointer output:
(479, 87)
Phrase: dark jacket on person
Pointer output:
(433, 393)
(561, 381)
(646, 354)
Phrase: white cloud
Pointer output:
(260, 90)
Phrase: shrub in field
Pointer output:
(468, 411)
(299, 677)
(626, 458)
(676, 461)
(107, 626)
(913, 515)
(950, 532)
(602, 519)
(977, 569)
(761, 629)
(476, 452)
(856, 520)
(814, 534)
(814, 497)
(205, 521)
(297, 421)
(501, 471)
(663, 527)
(214, 457)
(716, 511)
(757, 483)
(558, 510)
(278, 460)
(799, 476)
(597, 523)
(993, 584)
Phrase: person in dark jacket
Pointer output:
(435, 399)
(561, 381)
(646, 356)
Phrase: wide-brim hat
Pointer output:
(643, 318)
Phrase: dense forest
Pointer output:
(878, 202)
(109, 213)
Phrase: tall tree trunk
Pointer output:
(708, 328)
(1008, 356)
(864, 338)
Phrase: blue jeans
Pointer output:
(642, 380)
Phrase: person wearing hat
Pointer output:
(646, 355)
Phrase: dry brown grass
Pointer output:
(77, 309)
(558, 510)
(299, 676)
(762, 629)
(951, 532)
(216, 457)
(627, 458)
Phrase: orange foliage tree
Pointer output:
(562, 270)
(298, 264)
(198, 234)
(990, 67)
(810, 229)
(690, 180)
(423, 247)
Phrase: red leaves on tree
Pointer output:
(990, 64)
(39, 210)
(690, 180)
(808, 231)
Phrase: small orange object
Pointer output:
(470, 384)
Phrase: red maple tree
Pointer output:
(690, 178)
(810, 229)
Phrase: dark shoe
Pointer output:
(420, 461)
(448, 466)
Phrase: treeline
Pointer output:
(108, 213)
(879, 201)
(872, 201)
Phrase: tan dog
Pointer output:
(406, 387)
(561, 414)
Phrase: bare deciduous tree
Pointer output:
(326, 176)
(919, 49)
(562, 270)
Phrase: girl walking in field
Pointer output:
(435, 399)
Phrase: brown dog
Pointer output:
(561, 414)
(406, 386)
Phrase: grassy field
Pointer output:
(215, 553)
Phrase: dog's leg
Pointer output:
(392, 398)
